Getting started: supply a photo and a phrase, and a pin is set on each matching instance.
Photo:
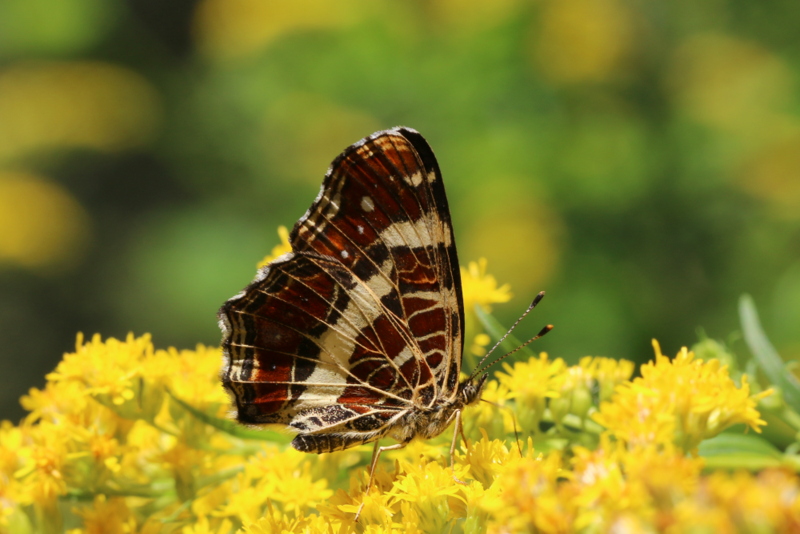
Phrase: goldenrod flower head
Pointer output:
(479, 343)
(493, 414)
(277, 522)
(110, 372)
(278, 250)
(204, 526)
(107, 516)
(481, 288)
(531, 383)
(485, 458)
(680, 401)
(534, 497)
(743, 502)
(424, 492)
(607, 373)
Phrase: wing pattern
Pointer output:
(363, 321)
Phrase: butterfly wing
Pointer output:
(363, 320)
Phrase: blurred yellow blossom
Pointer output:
(771, 175)
(41, 224)
(473, 16)
(733, 85)
(238, 28)
(481, 288)
(583, 40)
(280, 249)
(300, 131)
(87, 104)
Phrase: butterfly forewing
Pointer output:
(363, 320)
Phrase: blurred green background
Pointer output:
(639, 160)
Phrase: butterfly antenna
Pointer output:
(544, 330)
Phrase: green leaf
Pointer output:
(232, 428)
(765, 354)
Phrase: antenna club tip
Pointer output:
(545, 330)
(536, 299)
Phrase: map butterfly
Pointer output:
(357, 333)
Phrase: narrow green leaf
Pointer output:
(765, 354)
(741, 451)
(232, 428)
(741, 461)
(497, 331)
(738, 444)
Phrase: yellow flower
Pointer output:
(44, 461)
(278, 250)
(476, 504)
(493, 414)
(607, 373)
(107, 516)
(479, 344)
(111, 372)
(531, 383)
(742, 502)
(534, 498)
(681, 401)
(481, 288)
(486, 457)
(424, 492)
(204, 526)
(275, 522)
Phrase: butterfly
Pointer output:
(357, 333)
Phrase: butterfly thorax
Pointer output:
(430, 421)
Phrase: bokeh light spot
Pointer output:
(79, 104)
(730, 84)
(774, 175)
(473, 15)
(69, 26)
(227, 29)
(522, 241)
(41, 225)
(582, 40)
(302, 133)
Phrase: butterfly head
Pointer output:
(470, 389)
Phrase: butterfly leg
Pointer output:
(458, 429)
(376, 454)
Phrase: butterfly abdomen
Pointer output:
(319, 443)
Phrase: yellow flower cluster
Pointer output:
(125, 438)
(682, 401)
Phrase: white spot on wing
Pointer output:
(345, 254)
(367, 204)
(415, 179)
